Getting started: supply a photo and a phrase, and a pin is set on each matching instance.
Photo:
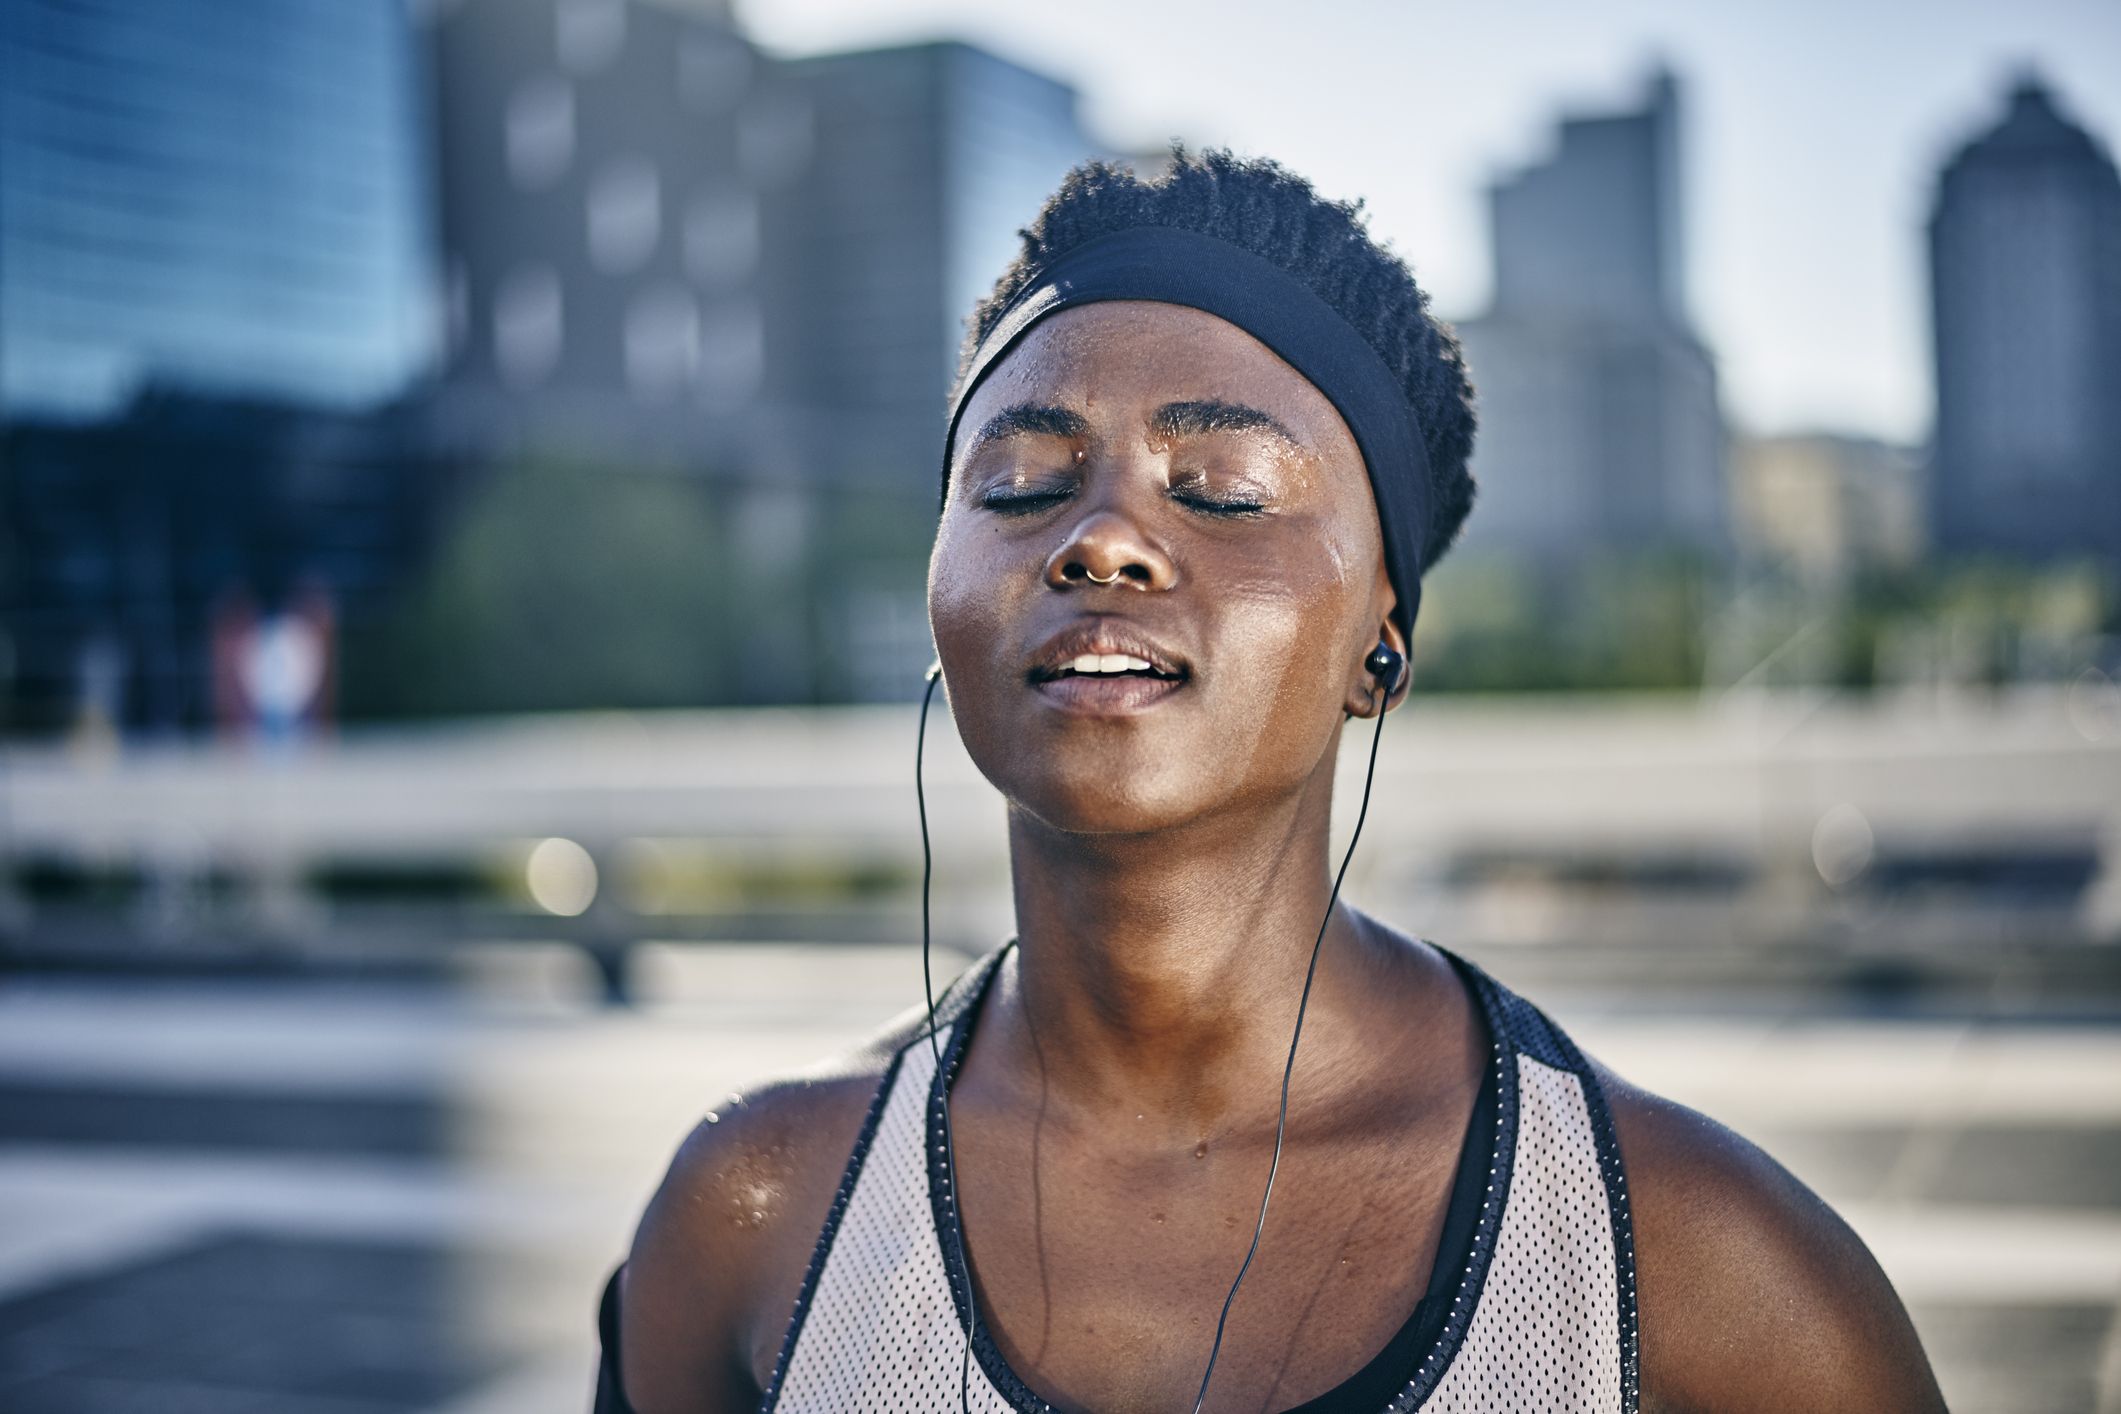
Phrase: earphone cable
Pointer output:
(964, 1266)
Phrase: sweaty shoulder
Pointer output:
(722, 1248)
(1753, 1294)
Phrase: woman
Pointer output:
(1205, 439)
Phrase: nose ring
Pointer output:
(1094, 579)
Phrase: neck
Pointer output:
(1161, 972)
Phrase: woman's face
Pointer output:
(1169, 452)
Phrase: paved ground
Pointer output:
(343, 1198)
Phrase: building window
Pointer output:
(625, 210)
(456, 306)
(662, 341)
(540, 131)
(588, 34)
(773, 139)
(732, 354)
(722, 238)
(527, 329)
(713, 72)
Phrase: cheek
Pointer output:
(971, 594)
(955, 550)
(1292, 603)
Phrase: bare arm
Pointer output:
(1753, 1293)
(719, 1257)
(722, 1247)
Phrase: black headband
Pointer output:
(1175, 266)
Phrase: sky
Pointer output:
(1813, 132)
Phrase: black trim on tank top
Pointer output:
(1391, 1379)
(840, 1198)
(1374, 1386)
(1616, 1189)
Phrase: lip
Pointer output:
(1105, 696)
(1103, 635)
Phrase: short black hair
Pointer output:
(1258, 204)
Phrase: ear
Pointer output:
(1363, 687)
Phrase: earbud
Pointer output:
(935, 670)
(1385, 661)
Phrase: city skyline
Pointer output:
(1816, 308)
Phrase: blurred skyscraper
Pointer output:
(226, 196)
(2025, 282)
(215, 261)
(606, 170)
(1599, 423)
(664, 246)
(655, 236)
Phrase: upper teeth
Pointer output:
(1107, 663)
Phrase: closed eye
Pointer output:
(1021, 505)
(1033, 501)
(1219, 508)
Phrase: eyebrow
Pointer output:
(1194, 419)
(1029, 420)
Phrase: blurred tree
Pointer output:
(1495, 623)
(1654, 620)
(563, 585)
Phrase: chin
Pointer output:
(1089, 805)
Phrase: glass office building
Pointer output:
(2025, 287)
(223, 196)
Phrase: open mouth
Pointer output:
(1104, 684)
(1109, 665)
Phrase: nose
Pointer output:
(1107, 547)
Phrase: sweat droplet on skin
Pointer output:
(1200, 1150)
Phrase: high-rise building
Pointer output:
(1595, 229)
(216, 282)
(606, 169)
(2025, 286)
(1599, 419)
(226, 196)
(659, 241)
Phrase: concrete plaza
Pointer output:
(314, 1196)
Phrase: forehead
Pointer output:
(1121, 357)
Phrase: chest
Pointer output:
(1038, 1276)
(1101, 1268)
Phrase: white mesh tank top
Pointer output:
(1541, 1320)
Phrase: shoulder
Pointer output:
(723, 1246)
(1753, 1294)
